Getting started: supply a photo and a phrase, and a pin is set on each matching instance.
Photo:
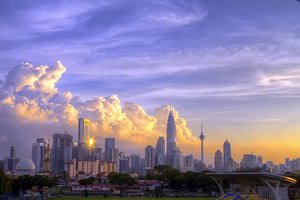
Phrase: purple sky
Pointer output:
(232, 64)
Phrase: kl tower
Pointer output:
(202, 148)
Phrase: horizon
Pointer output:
(232, 66)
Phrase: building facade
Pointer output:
(149, 157)
(160, 151)
(219, 162)
(110, 153)
(61, 155)
(41, 155)
(173, 154)
(227, 155)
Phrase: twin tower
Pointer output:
(173, 152)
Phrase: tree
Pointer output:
(5, 183)
(27, 182)
(176, 179)
(192, 180)
(121, 179)
(87, 181)
(168, 175)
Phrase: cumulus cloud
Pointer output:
(30, 95)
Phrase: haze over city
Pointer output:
(231, 65)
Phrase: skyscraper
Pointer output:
(149, 157)
(259, 161)
(135, 163)
(46, 165)
(38, 154)
(84, 133)
(227, 154)
(86, 142)
(160, 151)
(202, 148)
(187, 163)
(98, 154)
(219, 163)
(173, 153)
(61, 153)
(13, 152)
(110, 150)
(11, 161)
(171, 133)
(249, 161)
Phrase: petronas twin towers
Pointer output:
(173, 152)
(172, 155)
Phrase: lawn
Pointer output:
(136, 198)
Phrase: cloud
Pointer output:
(30, 95)
(174, 16)
(285, 80)
(3, 138)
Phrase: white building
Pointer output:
(227, 155)
(249, 161)
(39, 150)
(187, 163)
(25, 167)
(149, 157)
(219, 163)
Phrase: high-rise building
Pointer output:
(219, 163)
(123, 164)
(187, 163)
(149, 157)
(11, 161)
(171, 133)
(160, 151)
(231, 165)
(39, 149)
(84, 132)
(135, 163)
(86, 141)
(176, 159)
(110, 150)
(173, 157)
(260, 161)
(199, 165)
(13, 152)
(98, 154)
(202, 147)
(249, 161)
(47, 158)
(227, 154)
(61, 153)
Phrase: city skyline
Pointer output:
(210, 61)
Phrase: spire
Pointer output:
(201, 129)
(201, 133)
(171, 111)
(202, 146)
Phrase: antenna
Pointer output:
(62, 125)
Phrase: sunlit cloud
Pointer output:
(34, 97)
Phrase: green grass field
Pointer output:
(134, 198)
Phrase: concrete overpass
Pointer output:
(264, 185)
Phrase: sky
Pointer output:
(232, 65)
